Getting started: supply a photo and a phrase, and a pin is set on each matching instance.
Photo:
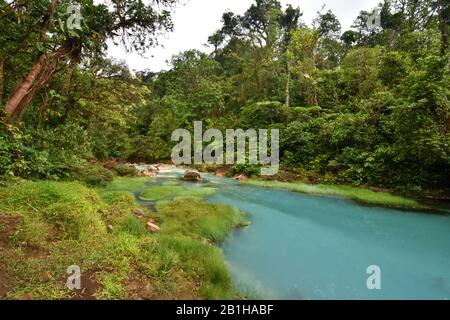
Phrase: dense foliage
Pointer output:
(364, 106)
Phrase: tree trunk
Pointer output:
(23, 88)
(33, 81)
(39, 74)
(316, 101)
(2, 78)
(444, 20)
(288, 85)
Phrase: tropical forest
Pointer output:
(92, 206)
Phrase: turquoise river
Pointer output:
(307, 247)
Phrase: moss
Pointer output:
(171, 183)
(115, 198)
(198, 219)
(124, 170)
(33, 231)
(70, 208)
(127, 184)
(360, 195)
(92, 174)
(313, 109)
(160, 192)
(170, 191)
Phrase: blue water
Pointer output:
(306, 247)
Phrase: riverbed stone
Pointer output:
(192, 176)
(241, 177)
(222, 172)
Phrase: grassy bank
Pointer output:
(45, 227)
(360, 195)
(167, 192)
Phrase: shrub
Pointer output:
(42, 153)
(92, 175)
(51, 152)
(9, 151)
(247, 169)
(263, 114)
(124, 170)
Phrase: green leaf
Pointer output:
(40, 47)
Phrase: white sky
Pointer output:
(196, 20)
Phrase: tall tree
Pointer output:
(443, 8)
(289, 21)
(260, 27)
(329, 31)
(2, 77)
(134, 23)
(303, 49)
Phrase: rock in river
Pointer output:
(192, 176)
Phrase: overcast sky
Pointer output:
(196, 20)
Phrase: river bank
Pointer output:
(293, 182)
(124, 251)
(360, 195)
(165, 238)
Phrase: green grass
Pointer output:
(188, 226)
(133, 226)
(120, 198)
(199, 261)
(170, 191)
(361, 195)
(66, 223)
(127, 184)
(160, 192)
(69, 208)
(121, 189)
(198, 219)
